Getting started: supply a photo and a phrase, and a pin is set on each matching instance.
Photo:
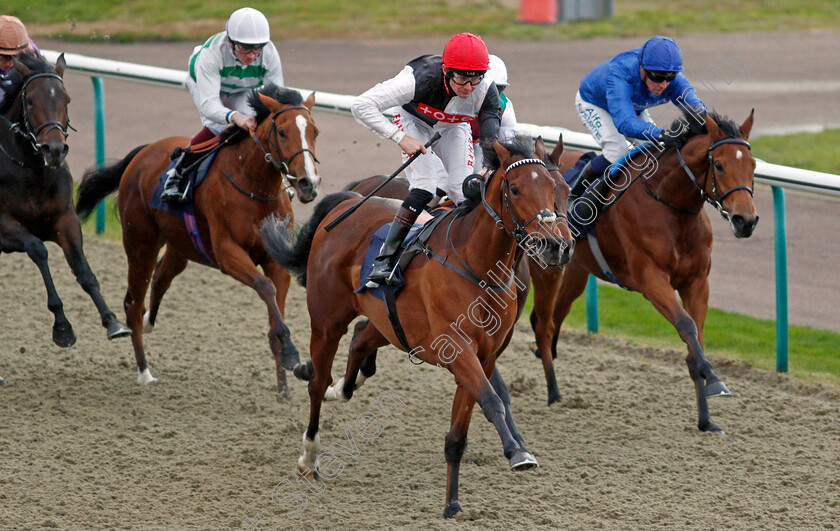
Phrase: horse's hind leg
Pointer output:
(15, 238)
(69, 238)
(141, 263)
(366, 340)
(168, 267)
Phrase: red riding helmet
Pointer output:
(466, 52)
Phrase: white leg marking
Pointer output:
(145, 377)
(335, 391)
(311, 449)
(148, 327)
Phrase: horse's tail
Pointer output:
(294, 255)
(99, 182)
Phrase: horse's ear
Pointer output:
(270, 103)
(504, 154)
(712, 126)
(310, 101)
(60, 63)
(746, 127)
(556, 152)
(539, 148)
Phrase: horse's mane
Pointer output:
(34, 62)
(697, 125)
(521, 144)
(280, 94)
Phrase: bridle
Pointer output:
(518, 231)
(283, 165)
(24, 128)
(716, 200)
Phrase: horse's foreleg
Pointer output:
(546, 285)
(69, 237)
(366, 340)
(657, 289)
(15, 238)
(168, 267)
(695, 299)
(233, 260)
(454, 446)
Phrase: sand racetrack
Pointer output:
(83, 446)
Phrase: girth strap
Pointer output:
(602, 263)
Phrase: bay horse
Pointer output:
(398, 188)
(656, 239)
(435, 302)
(244, 184)
(36, 188)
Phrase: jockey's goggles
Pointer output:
(461, 79)
(248, 48)
(658, 77)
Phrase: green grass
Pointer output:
(810, 151)
(191, 19)
(812, 352)
(113, 228)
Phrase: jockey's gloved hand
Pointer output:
(671, 139)
(472, 188)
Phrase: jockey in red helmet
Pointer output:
(433, 94)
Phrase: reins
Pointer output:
(23, 127)
(282, 166)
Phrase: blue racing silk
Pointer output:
(617, 87)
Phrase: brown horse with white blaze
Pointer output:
(244, 185)
(436, 300)
(656, 239)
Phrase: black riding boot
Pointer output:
(174, 190)
(387, 259)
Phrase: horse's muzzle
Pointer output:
(743, 226)
(307, 190)
(54, 153)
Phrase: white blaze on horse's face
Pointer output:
(534, 175)
(739, 154)
(308, 158)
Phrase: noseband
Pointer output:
(518, 232)
(283, 165)
(23, 127)
(716, 200)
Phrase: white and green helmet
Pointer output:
(248, 26)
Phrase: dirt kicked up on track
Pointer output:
(82, 445)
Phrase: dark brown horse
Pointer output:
(244, 184)
(657, 240)
(36, 188)
(445, 314)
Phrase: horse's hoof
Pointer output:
(290, 357)
(306, 472)
(64, 337)
(534, 349)
(717, 388)
(145, 377)
(117, 329)
(554, 397)
(283, 394)
(452, 508)
(304, 371)
(148, 326)
(523, 460)
(336, 391)
(2, 382)
(711, 427)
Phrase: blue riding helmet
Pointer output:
(662, 54)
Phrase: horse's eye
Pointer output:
(281, 133)
(28, 101)
(514, 190)
(718, 166)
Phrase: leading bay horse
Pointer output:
(445, 314)
(656, 239)
(36, 188)
(244, 184)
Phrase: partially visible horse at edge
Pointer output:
(518, 202)
(244, 184)
(36, 188)
(656, 239)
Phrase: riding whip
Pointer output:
(349, 211)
